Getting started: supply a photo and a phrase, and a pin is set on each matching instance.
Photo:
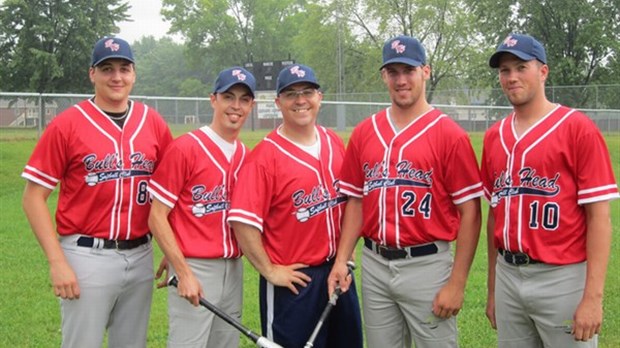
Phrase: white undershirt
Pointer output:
(227, 148)
(313, 149)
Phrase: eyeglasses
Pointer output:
(305, 93)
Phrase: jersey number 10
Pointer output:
(549, 218)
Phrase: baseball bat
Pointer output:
(261, 341)
(328, 308)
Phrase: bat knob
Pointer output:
(172, 281)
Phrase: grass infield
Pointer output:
(29, 312)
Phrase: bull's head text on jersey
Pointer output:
(405, 170)
(377, 177)
(318, 194)
(374, 171)
(528, 184)
(209, 201)
(111, 167)
(315, 202)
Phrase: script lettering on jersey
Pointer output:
(376, 176)
(209, 201)
(405, 170)
(110, 167)
(111, 161)
(529, 184)
(318, 194)
(315, 202)
(375, 171)
(140, 162)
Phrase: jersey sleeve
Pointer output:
(252, 194)
(595, 177)
(462, 174)
(170, 176)
(49, 159)
(351, 176)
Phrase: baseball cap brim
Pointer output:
(402, 60)
(113, 57)
(230, 85)
(296, 82)
(494, 60)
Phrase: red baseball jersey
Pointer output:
(537, 184)
(410, 181)
(292, 198)
(195, 179)
(104, 170)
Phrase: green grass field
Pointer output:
(29, 312)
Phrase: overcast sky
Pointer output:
(146, 21)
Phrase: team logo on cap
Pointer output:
(113, 46)
(509, 41)
(297, 71)
(239, 74)
(398, 47)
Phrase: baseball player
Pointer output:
(413, 184)
(286, 213)
(547, 175)
(102, 151)
(191, 190)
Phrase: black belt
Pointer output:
(517, 259)
(90, 242)
(396, 253)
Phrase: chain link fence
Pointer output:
(473, 110)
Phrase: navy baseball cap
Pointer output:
(403, 49)
(234, 76)
(111, 47)
(296, 73)
(523, 46)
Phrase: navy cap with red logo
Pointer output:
(523, 46)
(111, 47)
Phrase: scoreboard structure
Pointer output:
(266, 72)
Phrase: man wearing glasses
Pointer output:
(286, 213)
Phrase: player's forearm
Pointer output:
(598, 246)
(351, 228)
(34, 203)
(164, 235)
(466, 241)
(492, 253)
(250, 242)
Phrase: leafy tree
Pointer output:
(192, 87)
(46, 45)
(581, 37)
(447, 29)
(222, 33)
(162, 70)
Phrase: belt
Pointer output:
(402, 253)
(100, 243)
(517, 259)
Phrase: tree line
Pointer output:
(45, 45)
